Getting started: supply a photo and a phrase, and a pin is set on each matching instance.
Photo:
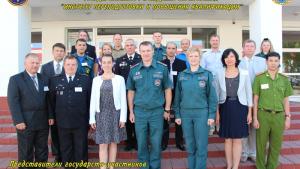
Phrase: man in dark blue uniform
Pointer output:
(49, 70)
(70, 96)
(122, 68)
(175, 66)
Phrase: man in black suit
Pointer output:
(69, 100)
(90, 50)
(174, 66)
(28, 105)
(49, 70)
(122, 67)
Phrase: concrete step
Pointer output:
(214, 150)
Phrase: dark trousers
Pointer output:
(55, 142)
(73, 144)
(33, 145)
(166, 133)
(130, 130)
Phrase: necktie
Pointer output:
(58, 69)
(70, 79)
(35, 82)
(171, 75)
(130, 58)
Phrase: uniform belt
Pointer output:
(270, 111)
(232, 98)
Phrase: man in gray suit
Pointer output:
(28, 105)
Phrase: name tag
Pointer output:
(84, 64)
(78, 89)
(174, 73)
(264, 86)
(46, 89)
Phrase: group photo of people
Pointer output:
(133, 93)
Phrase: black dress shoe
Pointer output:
(136, 147)
(57, 159)
(128, 148)
(163, 147)
(180, 147)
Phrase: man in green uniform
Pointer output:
(271, 111)
(149, 87)
(85, 62)
(159, 49)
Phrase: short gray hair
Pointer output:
(31, 55)
(131, 40)
(171, 43)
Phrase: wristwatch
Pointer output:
(288, 116)
(167, 111)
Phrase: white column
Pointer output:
(265, 21)
(15, 42)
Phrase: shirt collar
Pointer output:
(31, 74)
(160, 46)
(200, 70)
(130, 55)
(172, 60)
(69, 76)
(55, 62)
(248, 59)
(211, 51)
(269, 76)
(118, 49)
(153, 64)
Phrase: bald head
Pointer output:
(185, 44)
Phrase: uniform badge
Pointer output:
(87, 71)
(61, 92)
(157, 82)
(202, 83)
(17, 2)
(137, 73)
(122, 64)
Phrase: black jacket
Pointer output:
(26, 104)
(70, 101)
(48, 71)
(123, 64)
(178, 66)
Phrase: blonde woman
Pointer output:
(265, 48)
(105, 49)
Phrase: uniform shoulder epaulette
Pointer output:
(260, 73)
(90, 58)
(162, 63)
(283, 75)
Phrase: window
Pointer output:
(291, 39)
(291, 58)
(245, 35)
(201, 36)
(122, 31)
(36, 43)
(168, 31)
(72, 36)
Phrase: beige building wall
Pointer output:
(230, 34)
